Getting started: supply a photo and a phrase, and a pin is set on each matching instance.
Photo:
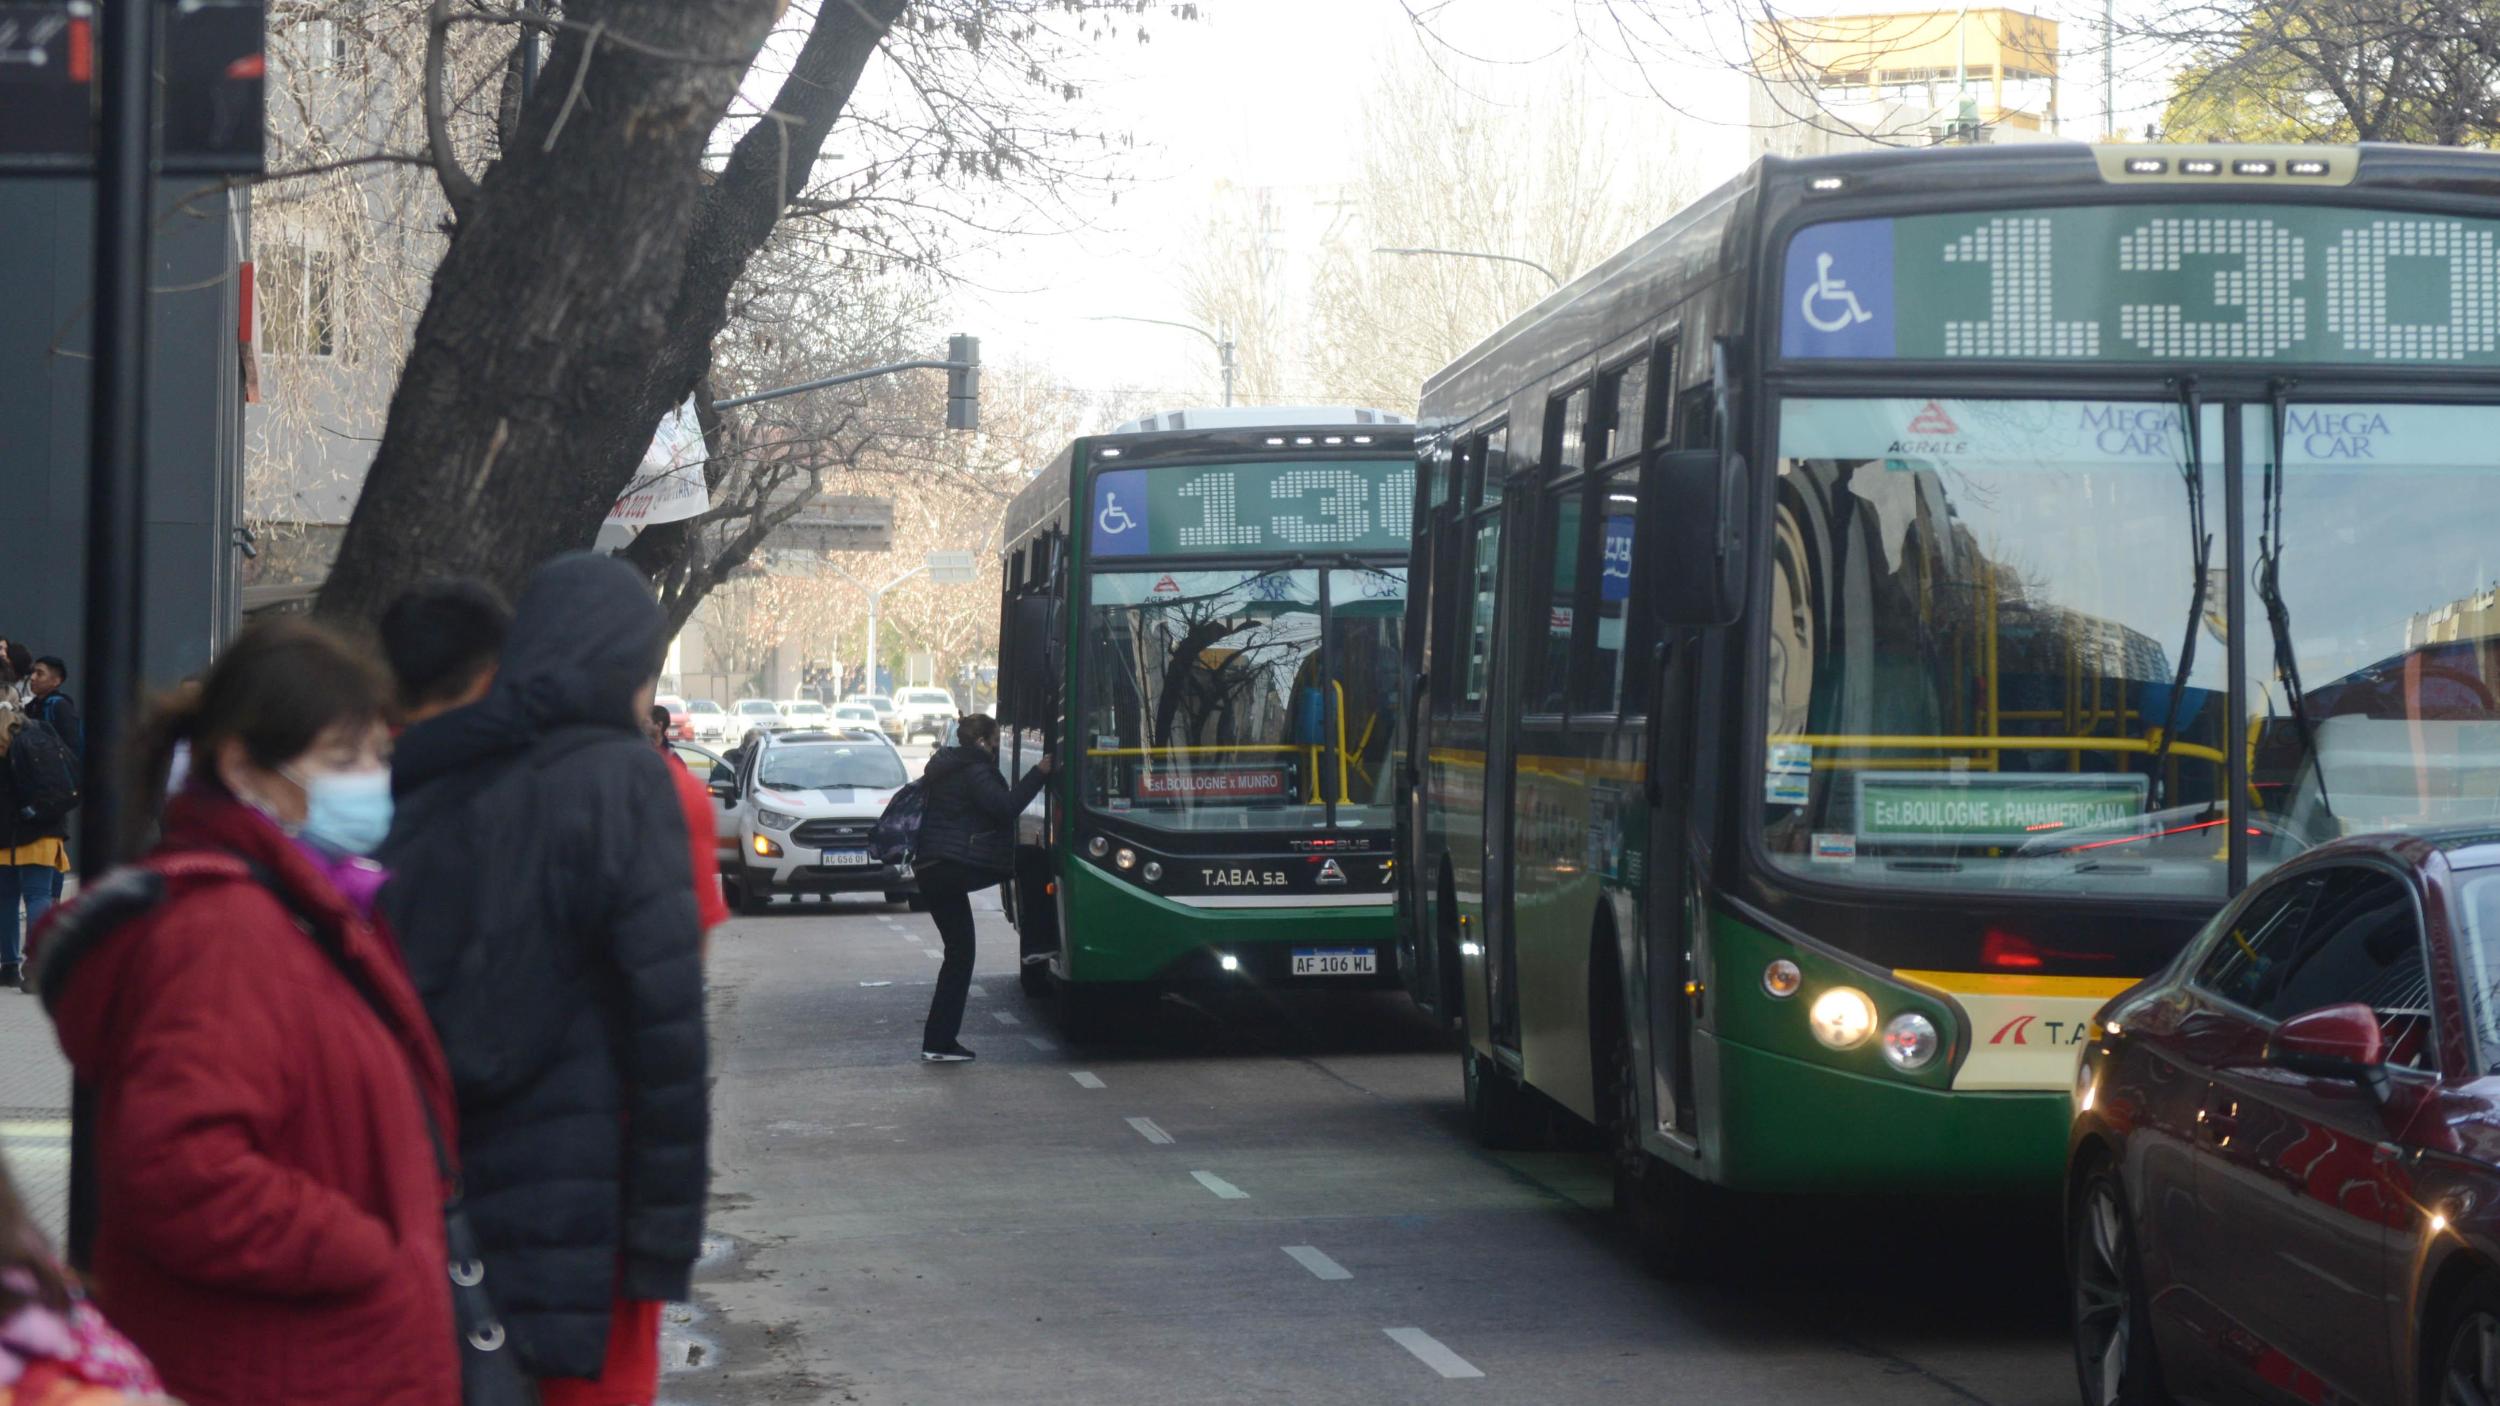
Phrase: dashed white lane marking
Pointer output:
(933, 954)
(1040, 1042)
(1005, 1017)
(1085, 1080)
(1319, 1264)
(1221, 1187)
(876, 983)
(1431, 1353)
(976, 990)
(1147, 1129)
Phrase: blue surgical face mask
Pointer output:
(347, 810)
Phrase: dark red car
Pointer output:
(2284, 1181)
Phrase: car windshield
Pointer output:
(881, 705)
(703, 705)
(1208, 696)
(2388, 600)
(756, 706)
(1974, 657)
(2478, 961)
(832, 766)
(808, 706)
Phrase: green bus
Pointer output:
(1886, 610)
(1204, 611)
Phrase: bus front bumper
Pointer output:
(1119, 932)
(1784, 1124)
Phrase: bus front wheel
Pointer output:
(1668, 1210)
(1501, 1113)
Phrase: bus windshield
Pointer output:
(2387, 592)
(1982, 664)
(1211, 702)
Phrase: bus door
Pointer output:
(1484, 607)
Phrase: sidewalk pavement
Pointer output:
(34, 1112)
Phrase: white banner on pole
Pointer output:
(668, 487)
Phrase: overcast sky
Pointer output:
(1270, 92)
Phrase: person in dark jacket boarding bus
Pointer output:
(269, 1210)
(967, 843)
(541, 889)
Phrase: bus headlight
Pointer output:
(1910, 1042)
(1842, 1018)
(1126, 859)
(1097, 847)
(1153, 872)
(1781, 979)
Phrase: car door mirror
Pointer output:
(724, 783)
(2332, 1042)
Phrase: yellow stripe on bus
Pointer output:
(2004, 984)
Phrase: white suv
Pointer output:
(806, 802)
(925, 710)
(754, 716)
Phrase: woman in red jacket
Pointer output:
(268, 1213)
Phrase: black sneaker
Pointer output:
(13, 974)
(954, 1053)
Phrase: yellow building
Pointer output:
(1914, 67)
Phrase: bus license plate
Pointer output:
(848, 858)
(1335, 961)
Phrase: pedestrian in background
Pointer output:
(694, 799)
(541, 890)
(56, 709)
(16, 662)
(442, 638)
(269, 1204)
(38, 788)
(967, 843)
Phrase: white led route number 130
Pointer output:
(2307, 284)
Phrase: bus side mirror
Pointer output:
(1704, 500)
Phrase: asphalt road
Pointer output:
(1250, 1201)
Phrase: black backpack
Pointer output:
(898, 830)
(45, 771)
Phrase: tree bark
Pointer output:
(562, 294)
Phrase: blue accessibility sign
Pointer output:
(1119, 514)
(1836, 300)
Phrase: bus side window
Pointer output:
(1607, 682)
(1484, 576)
(1696, 420)
(1554, 565)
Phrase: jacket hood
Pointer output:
(947, 761)
(585, 636)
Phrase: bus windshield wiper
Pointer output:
(2192, 429)
(2270, 585)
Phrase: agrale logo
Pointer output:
(1934, 420)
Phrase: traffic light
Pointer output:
(963, 383)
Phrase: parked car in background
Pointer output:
(680, 721)
(805, 803)
(711, 721)
(805, 712)
(856, 715)
(710, 768)
(889, 720)
(2284, 1180)
(753, 716)
(924, 711)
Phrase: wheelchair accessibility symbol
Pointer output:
(1828, 304)
(1113, 519)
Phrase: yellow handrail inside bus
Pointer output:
(1880, 742)
(1341, 783)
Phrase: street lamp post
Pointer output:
(1550, 275)
(875, 594)
(1223, 345)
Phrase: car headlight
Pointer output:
(1910, 1042)
(774, 820)
(1842, 1018)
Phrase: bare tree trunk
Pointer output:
(580, 295)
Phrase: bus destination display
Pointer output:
(1225, 509)
(2289, 284)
